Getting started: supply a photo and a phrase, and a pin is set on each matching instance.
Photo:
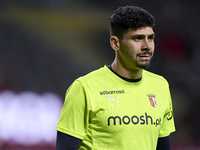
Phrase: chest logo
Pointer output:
(116, 100)
(152, 99)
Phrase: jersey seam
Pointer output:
(89, 109)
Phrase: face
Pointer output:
(136, 48)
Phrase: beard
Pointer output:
(145, 63)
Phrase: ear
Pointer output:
(114, 42)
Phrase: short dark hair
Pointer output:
(128, 17)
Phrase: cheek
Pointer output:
(153, 46)
(130, 50)
(133, 51)
(153, 49)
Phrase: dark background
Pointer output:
(46, 44)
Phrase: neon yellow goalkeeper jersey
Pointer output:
(108, 113)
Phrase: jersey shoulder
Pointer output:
(96, 74)
(154, 76)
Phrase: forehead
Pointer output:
(141, 31)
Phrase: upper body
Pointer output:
(106, 112)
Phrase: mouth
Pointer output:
(145, 56)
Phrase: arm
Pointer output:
(74, 118)
(164, 143)
(66, 142)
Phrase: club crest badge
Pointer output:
(152, 99)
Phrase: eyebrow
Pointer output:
(152, 35)
(136, 35)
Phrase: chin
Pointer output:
(143, 66)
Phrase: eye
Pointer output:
(138, 38)
(151, 37)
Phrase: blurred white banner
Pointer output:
(29, 118)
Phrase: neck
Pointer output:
(125, 72)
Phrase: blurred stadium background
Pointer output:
(46, 44)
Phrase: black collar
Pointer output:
(126, 79)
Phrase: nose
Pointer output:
(147, 45)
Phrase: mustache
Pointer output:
(145, 53)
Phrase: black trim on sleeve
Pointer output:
(66, 142)
(164, 143)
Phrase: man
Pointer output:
(121, 106)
